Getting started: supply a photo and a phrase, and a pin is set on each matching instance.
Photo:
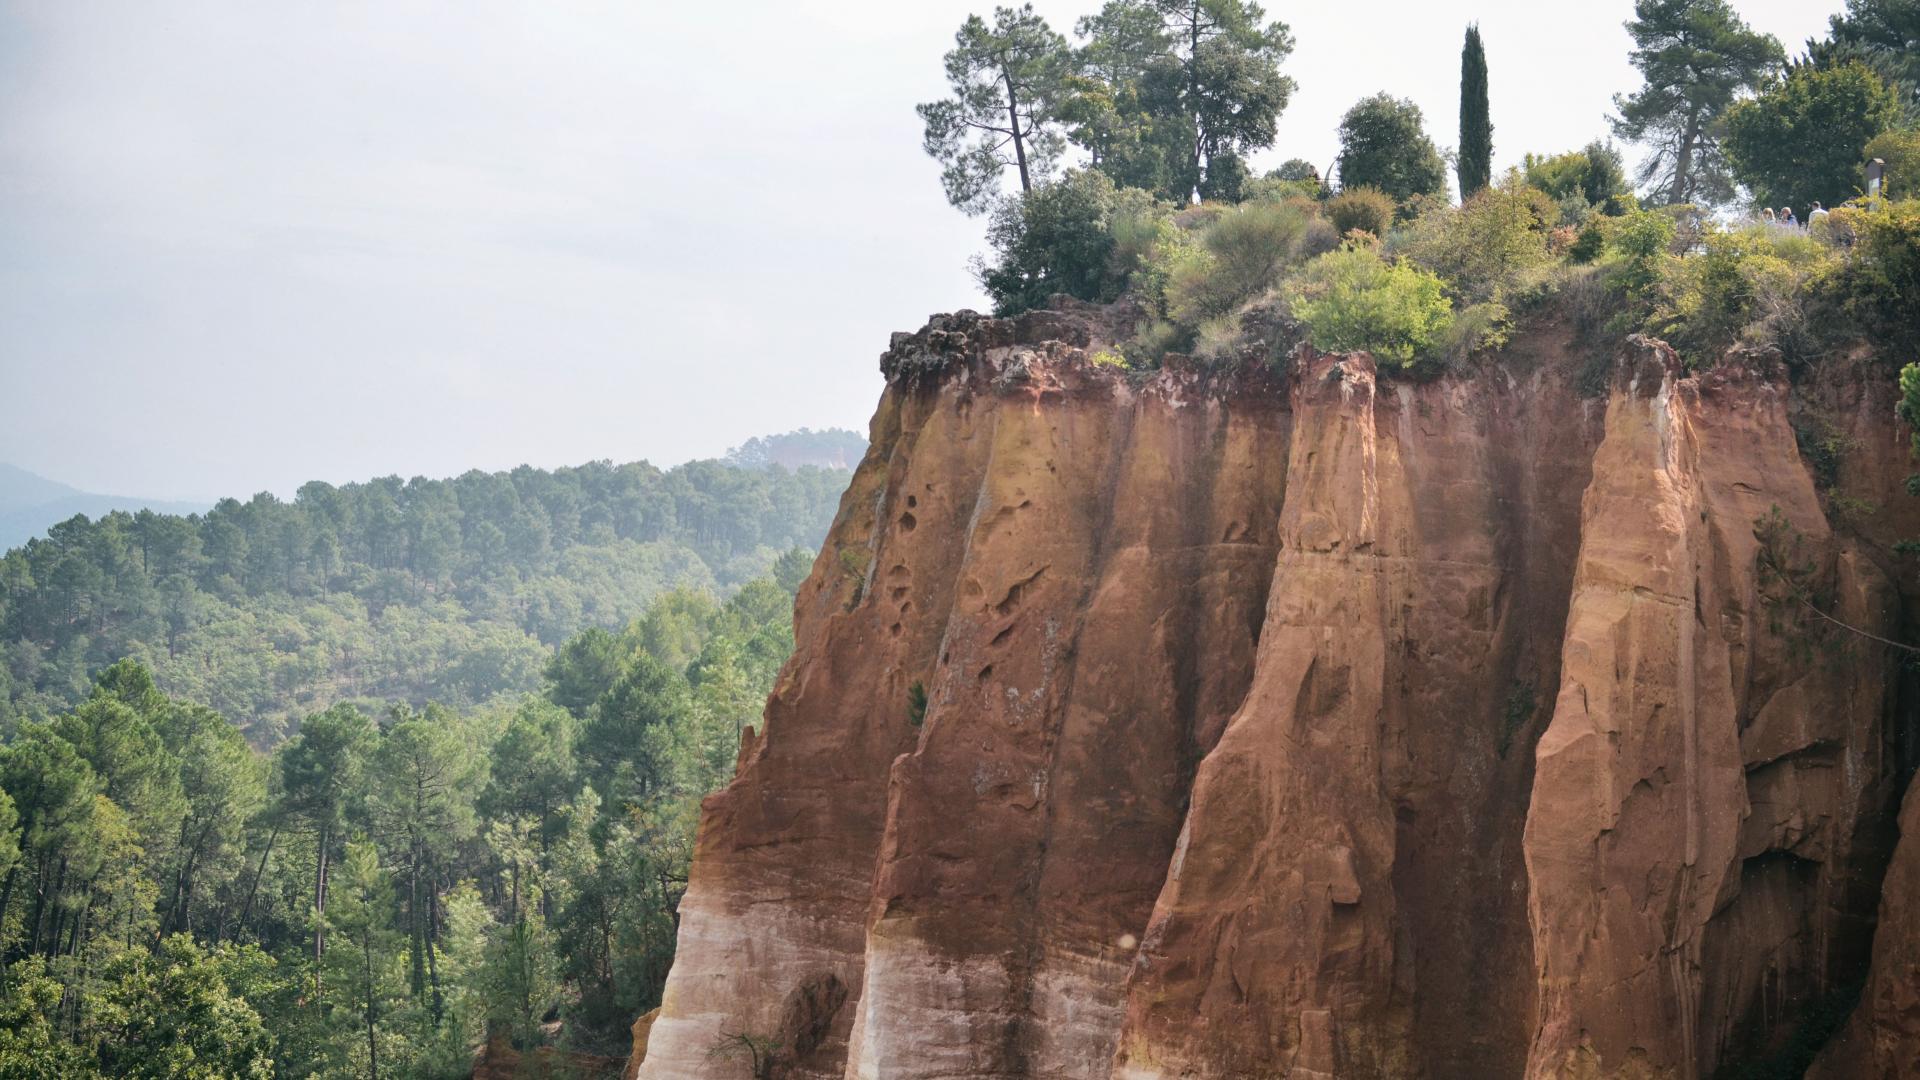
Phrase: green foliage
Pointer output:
(1522, 701)
(1594, 176)
(1643, 239)
(1822, 447)
(1908, 408)
(171, 1014)
(1352, 300)
(1589, 245)
(1057, 239)
(31, 1047)
(1750, 285)
(1900, 150)
(1696, 57)
(917, 703)
(1884, 33)
(1172, 95)
(1803, 139)
(451, 590)
(1361, 209)
(1007, 79)
(1475, 166)
(1491, 248)
(1384, 145)
(1879, 288)
(399, 885)
(1240, 255)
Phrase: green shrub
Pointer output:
(1056, 239)
(1142, 234)
(1150, 344)
(1589, 177)
(1474, 328)
(1589, 245)
(1880, 288)
(1492, 247)
(1218, 340)
(1353, 300)
(1238, 257)
(1752, 285)
(1362, 209)
(1226, 178)
(1643, 239)
(1274, 189)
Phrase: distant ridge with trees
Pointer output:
(390, 590)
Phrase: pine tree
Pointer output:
(1697, 57)
(365, 988)
(1475, 167)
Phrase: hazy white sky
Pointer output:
(244, 244)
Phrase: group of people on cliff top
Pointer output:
(1785, 219)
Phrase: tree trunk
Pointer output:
(416, 945)
(1019, 141)
(40, 907)
(433, 967)
(246, 909)
(373, 1045)
(319, 911)
(1193, 93)
(6, 892)
(1683, 164)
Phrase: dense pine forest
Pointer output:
(451, 591)
(384, 887)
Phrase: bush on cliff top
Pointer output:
(1057, 240)
(1352, 300)
(1218, 281)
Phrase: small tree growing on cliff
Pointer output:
(760, 1052)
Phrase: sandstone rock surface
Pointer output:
(1303, 722)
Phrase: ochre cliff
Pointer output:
(1303, 722)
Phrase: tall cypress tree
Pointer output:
(1475, 167)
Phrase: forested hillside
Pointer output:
(450, 591)
(370, 897)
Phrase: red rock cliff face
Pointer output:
(1302, 723)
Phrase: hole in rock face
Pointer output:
(908, 523)
(912, 502)
(985, 673)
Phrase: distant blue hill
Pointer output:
(31, 504)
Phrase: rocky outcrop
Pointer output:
(1297, 721)
(642, 1030)
(1715, 748)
